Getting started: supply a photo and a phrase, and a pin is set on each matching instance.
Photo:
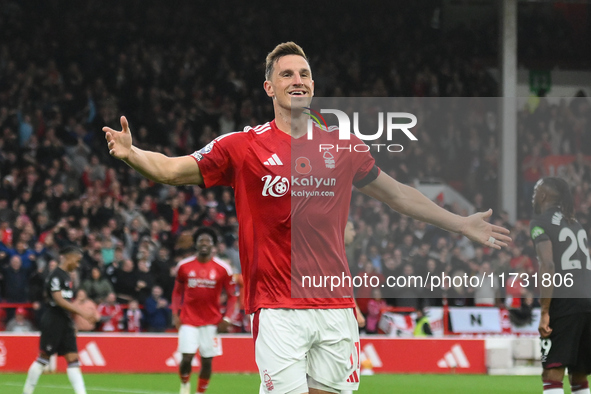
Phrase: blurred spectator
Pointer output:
(26, 255)
(87, 304)
(111, 314)
(369, 278)
(126, 279)
(16, 281)
(422, 327)
(97, 287)
(459, 295)
(163, 270)
(133, 317)
(145, 280)
(433, 297)
(374, 311)
(520, 261)
(487, 293)
(19, 323)
(157, 315)
(408, 293)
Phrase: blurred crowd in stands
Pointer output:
(182, 77)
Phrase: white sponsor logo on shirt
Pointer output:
(207, 283)
(275, 187)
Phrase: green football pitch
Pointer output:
(237, 383)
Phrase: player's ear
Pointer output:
(269, 88)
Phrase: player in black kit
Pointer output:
(58, 334)
(565, 324)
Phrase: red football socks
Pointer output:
(202, 385)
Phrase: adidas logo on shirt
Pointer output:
(273, 161)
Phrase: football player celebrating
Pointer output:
(304, 341)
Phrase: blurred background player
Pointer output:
(197, 290)
(58, 334)
(565, 323)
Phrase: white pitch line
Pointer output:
(66, 387)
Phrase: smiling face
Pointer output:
(290, 84)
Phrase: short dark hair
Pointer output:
(70, 249)
(206, 230)
(283, 49)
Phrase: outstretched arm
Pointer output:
(155, 166)
(411, 202)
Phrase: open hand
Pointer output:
(476, 228)
(119, 142)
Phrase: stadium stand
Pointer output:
(66, 72)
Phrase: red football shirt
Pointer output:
(198, 288)
(292, 202)
(115, 314)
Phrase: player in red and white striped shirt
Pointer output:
(303, 341)
(197, 290)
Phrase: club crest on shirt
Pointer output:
(212, 274)
(329, 161)
(192, 273)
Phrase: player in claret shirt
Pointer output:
(304, 342)
(197, 290)
(562, 247)
(58, 334)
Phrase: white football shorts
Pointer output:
(202, 338)
(300, 348)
